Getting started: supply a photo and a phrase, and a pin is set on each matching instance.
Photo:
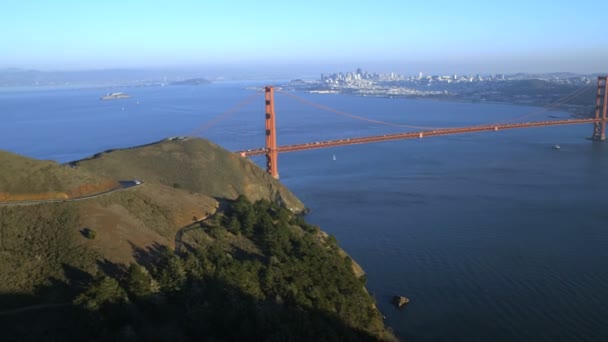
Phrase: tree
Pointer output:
(234, 225)
(170, 272)
(139, 283)
(240, 206)
(103, 291)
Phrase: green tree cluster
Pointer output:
(299, 288)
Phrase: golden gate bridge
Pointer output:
(272, 149)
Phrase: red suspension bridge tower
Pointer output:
(272, 153)
(601, 107)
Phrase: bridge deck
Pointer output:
(414, 135)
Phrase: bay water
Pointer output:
(494, 236)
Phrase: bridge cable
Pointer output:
(224, 115)
(548, 107)
(559, 102)
(555, 104)
(352, 116)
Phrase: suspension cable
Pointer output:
(352, 116)
(224, 115)
(555, 104)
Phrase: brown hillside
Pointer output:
(140, 218)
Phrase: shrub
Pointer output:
(89, 233)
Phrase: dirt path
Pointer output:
(178, 243)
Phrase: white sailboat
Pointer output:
(334, 157)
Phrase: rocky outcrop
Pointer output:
(400, 301)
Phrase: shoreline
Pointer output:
(574, 112)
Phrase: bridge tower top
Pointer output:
(601, 109)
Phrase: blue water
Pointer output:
(493, 236)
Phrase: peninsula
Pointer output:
(524, 89)
(206, 246)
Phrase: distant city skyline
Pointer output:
(307, 38)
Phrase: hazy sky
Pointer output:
(382, 35)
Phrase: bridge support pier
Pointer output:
(601, 109)
(272, 160)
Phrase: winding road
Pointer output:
(178, 243)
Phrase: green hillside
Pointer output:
(193, 164)
(23, 178)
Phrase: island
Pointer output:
(191, 82)
(115, 96)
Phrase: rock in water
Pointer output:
(400, 301)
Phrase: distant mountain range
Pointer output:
(13, 77)
(16, 77)
(191, 81)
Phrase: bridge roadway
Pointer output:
(414, 135)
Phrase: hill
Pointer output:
(184, 181)
(549, 92)
(184, 255)
(195, 165)
(23, 178)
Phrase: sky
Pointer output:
(404, 36)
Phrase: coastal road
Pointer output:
(123, 186)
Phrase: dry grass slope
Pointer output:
(40, 244)
(141, 218)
